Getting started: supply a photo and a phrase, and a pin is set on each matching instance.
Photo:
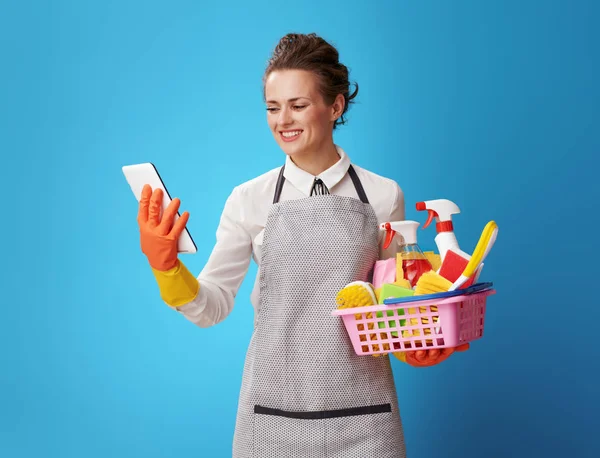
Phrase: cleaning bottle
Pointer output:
(442, 210)
(414, 262)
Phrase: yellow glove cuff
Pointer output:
(177, 286)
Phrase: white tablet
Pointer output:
(137, 176)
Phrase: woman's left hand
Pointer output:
(426, 358)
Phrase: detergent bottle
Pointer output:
(442, 210)
(414, 262)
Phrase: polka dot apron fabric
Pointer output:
(305, 393)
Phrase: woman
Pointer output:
(312, 227)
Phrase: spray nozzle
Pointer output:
(440, 209)
(431, 213)
(406, 229)
(389, 234)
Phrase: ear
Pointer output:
(338, 107)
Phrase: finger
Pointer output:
(420, 355)
(144, 203)
(433, 355)
(166, 222)
(179, 225)
(155, 207)
(463, 347)
(410, 359)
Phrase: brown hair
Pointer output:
(312, 53)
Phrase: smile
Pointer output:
(290, 135)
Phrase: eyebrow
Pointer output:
(295, 99)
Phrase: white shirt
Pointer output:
(240, 231)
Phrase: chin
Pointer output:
(291, 150)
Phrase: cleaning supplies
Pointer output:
(453, 266)
(486, 241)
(414, 262)
(384, 272)
(430, 283)
(392, 291)
(389, 291)
(442, 210)
(359, 294)
(434, 259)
(356, 294)
(402, 282)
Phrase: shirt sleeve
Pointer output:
(397, 213)
(225, 270)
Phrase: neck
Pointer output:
(316, 162)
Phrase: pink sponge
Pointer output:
(384, 272)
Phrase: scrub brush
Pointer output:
(356, 294)
(359, 294)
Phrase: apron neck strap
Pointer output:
(358, 185)
(355, 180)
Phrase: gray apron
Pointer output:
(305, 393)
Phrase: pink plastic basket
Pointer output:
(427, 324)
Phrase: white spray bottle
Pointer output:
(442, 210)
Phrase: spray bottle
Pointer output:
(442, 210)
(414, 262)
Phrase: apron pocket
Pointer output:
(369, 431)
(281, 434)
(373, 433)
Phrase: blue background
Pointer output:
(494, 105)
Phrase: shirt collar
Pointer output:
(303, 180)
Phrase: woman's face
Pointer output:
(298, 116)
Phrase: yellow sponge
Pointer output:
(434, 259)
(430, 283)
(399, 268)
(378, 294)
(402, 282)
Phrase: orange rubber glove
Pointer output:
(158, 236)
(426, 358)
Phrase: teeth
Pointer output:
(291, 134)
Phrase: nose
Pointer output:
(285, 117)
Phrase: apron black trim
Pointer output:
(322, 414)
(279, 186)
(355, 180)
(358, 185)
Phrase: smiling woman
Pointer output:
(306, 89)
(304, 391)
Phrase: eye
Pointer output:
(299, 107)
(272, 109)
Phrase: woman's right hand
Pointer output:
(426, 358)
(159, 235)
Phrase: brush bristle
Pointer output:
(430, 283)
(356, 294)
